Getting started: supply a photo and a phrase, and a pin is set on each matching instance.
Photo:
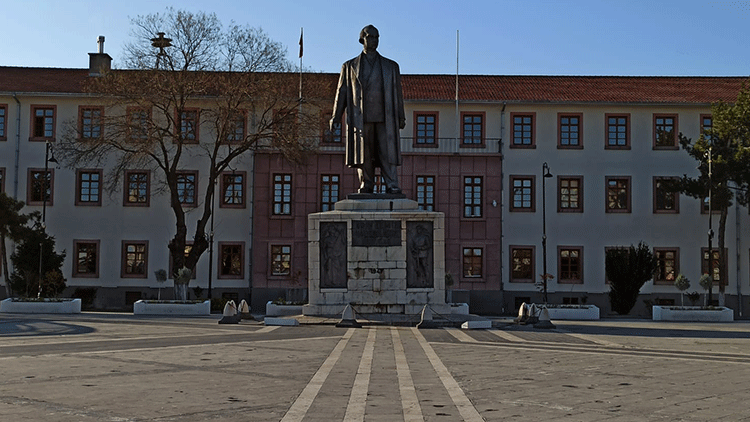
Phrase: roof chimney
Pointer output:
(99, 62)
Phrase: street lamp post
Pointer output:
(545, 174)
(710, 231)
(45, 194)
(211, 244)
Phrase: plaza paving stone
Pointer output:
(120, 367)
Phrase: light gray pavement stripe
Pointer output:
(508, 336)
(409, 400)
(300, 406)
(355, 409)
(461, 336)
(592, 339)
(465, 408)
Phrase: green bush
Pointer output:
(87, 296)
(628, 269)
(25, 278)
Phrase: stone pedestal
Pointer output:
(382, 256)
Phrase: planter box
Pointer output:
(145, 307)
(273, 309)
(459, 308)
(692, 314)
(574, 313)
(68, 306)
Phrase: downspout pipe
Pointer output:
(502, 195)
(18, 146)
(252, 227)
(739, 259)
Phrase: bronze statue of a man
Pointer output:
(369, 91)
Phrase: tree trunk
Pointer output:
(8, 291)
(723, 270)
(180, 291)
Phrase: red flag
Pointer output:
(300, 43)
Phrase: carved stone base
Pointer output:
(381, 256)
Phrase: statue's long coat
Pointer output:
(349, 98)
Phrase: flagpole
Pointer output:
(458, 123)
(301, 33)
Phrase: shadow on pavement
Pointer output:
(35, 328)
(654, 332)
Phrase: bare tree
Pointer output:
(234, 84)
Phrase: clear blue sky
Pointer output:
(576, 37)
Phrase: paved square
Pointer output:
(118, 367)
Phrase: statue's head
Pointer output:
(368, 37)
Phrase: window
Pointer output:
(570, 264)
(522, 191)
(285, 124)
(618, 131)
(232, 190)
(86, 261)
(231, 260)
(618, 194)
(90, 122)
(237, 126)
(704, 262)
(523, 133)
(41, 186)
(570, 194)
(425, 129)
(521, 264)
(665, 131)
(3, 122)
(472, 267)
(707, 123)
(472, 197)
(329, 191)
(134, 259)
(137, 188)
(281, 257)
(88, 187)
(282, 194)
(472, 129)
(43, 122)
(138, 123)
(334, 136)
(187, 186)
(667, 265)
(188, 119)
(705, 205)
(2, 179)
(665, 201)
(569, 133)
(426, 193)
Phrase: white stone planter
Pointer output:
(147, 307)
(574, 312)
(65, 306)
(692, 314)
(459, 308)
(273, 309)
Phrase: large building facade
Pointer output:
(608, 144)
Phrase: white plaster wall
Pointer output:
(594, 229)
(111, 223)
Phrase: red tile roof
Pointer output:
(481, 88)
(42, 79)
(574, 89)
